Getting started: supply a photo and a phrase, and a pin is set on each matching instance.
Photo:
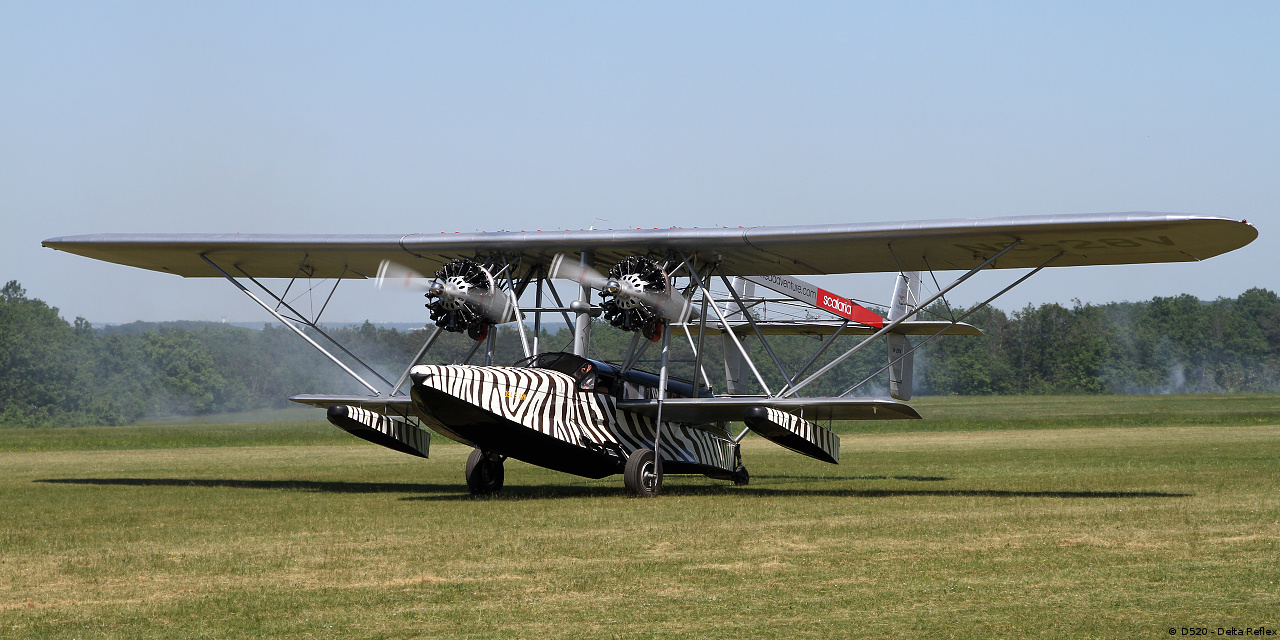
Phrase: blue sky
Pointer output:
(420, 117)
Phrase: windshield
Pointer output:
(562, 362)
(587, 375)
(600, 377)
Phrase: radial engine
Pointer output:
(629, 296)
(465, 297)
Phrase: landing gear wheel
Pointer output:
(484, 472)
(643, 475)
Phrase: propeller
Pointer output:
(672, 308)
(398, 276)
(451, 292)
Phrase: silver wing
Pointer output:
(1084, 239)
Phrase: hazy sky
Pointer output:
(418, 117)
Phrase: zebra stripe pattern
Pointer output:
(415, 439)
(548, 402)
(694, 444)
(824, 438)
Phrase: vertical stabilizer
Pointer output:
(906, 296)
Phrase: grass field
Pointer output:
(1055, 517)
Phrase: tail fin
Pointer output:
(906, 295)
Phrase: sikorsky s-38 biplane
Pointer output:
(594, 418)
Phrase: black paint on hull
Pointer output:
(758, 419)
(339, 416)
(491, 432)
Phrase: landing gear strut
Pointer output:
(643, 475)
(484, 472)
(739, 475)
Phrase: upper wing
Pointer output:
(1083, 239)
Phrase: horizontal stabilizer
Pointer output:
(379, 429)
(828, 327)
(734, 409)
(796, 434)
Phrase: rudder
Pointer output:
(906, 297)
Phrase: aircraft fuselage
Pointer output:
(562, 421)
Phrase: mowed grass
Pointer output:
(942, 413)
(1002, 528)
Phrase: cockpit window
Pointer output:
(599, 377)
(566, 363)
(587, 376)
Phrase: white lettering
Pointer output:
(837, 304)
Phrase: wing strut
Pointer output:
(890, 326)
(632, 355)
(750, 320)
(582, 323)
(289, 324)
(697, 351)
(821, 350)
(662, 392)
(515, 302)
(472, 353)
(416, 359)
(313, 324)
(555, 295)
(491, 343)
(954, 323)
(729, 330)
(537, 315)
(697, 360)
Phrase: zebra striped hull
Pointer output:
(536, 415)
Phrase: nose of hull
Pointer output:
(518, 413)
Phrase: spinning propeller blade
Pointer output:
(396, 276)
(563, 269)
(673, 308)
(495, 306)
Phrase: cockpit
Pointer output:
(593, 376)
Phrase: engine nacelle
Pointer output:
(457, 296)
(627, 311)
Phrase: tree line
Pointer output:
(55, 372)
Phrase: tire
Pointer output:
(741, 477)
(484, 473)
(643, 474)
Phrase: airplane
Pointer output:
(589, 417)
